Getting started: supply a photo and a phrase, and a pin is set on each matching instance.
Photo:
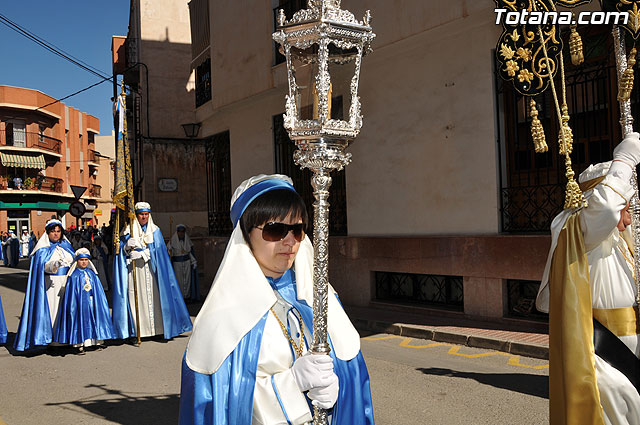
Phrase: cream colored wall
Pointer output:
(107, 147)
(425, 161)
(165, 47)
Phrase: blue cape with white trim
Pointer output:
(35, 328)
(226, 396)
(175, 316)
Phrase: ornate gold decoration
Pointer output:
(575, 46)
(537, 131)
(519, 51)
(626, 81)
(630, 6)
(574, 197)
(566, 145)
(572, 3)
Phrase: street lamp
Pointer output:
(320, 43)
(191, 129)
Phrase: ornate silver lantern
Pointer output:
(321, 43)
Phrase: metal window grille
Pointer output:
(522, 299)
(532, 185)
(425, 289)
(284, 164)
(219, 184)
(203, 82)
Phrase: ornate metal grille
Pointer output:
(203, 82)
(522, 299)
(284, 164)
(432, 290)
(219, 184)
(532, 185)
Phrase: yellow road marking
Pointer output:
(454, 350)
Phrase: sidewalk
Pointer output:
(454, 330)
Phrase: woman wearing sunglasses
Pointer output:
(247, 361)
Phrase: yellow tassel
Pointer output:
(575, 46)
(566, 132)
(573, 195)
(537, 131)
(626, 81)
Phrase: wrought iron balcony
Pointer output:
(35, 182)
(30, 140)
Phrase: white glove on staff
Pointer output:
(325, 397)
(313, 370)
(626, 156)
(132, 244)
(135, 255)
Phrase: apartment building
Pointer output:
(45, 148)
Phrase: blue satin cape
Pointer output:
(32, 243)
(35, 326)
(226, 396)
(175, 316)
(80, 319)
(3, 326)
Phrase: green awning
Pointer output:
(22, 160)
(40, 205)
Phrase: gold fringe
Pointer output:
(575, 46)
(626, 81)
(566, 145)
(537, 131)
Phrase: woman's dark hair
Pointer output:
(274, 205)
(51, 227)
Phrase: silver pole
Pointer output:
(626, 121)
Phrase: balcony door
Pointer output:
(16, 133)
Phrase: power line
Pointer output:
(51, 47)
(74, 93)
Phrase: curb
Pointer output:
(451, 337)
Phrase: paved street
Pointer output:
(413, 381)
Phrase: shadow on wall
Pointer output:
(119, 407)
(535, 385)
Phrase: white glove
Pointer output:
(132, 243)
(313, 370)
(194, 264)
(135, 255)
(325, 397)
(628, 151)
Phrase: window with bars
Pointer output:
(219, 184)
(522, 299)
(284, 164)
(423, 289)
(532, 185)
(203, 82)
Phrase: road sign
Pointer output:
(77, 209)
(78, 191)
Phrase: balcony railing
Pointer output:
(46, 184)
(94, 190)
(31, 140)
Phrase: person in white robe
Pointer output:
(584, 387)
(180, 250)
(24, 244)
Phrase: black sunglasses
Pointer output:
(274, 232)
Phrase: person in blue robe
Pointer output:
(248, 358)
(3, 326)
(32, 242)
(84, 313)
(50, 261)
(161, 308)
(3, 250)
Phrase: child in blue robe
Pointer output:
(84, 314)
(3, 326)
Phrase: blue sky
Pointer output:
(82, 28)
